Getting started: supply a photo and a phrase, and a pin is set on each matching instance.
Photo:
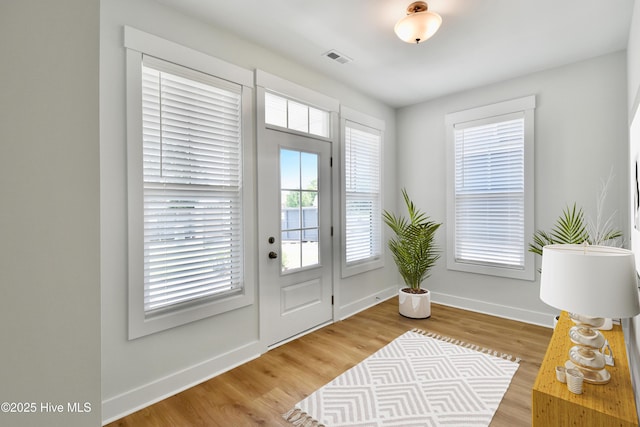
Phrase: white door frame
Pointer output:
(291, 90)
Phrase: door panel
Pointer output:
(301, 295)
(294, 220)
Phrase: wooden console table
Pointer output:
(612, 404)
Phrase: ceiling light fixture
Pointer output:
(419, 24)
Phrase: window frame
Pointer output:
(525, 106)
(138, 43)
(377, 261)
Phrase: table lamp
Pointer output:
(591, 283)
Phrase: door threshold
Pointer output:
(301, 334)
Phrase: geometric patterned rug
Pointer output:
(419, 379)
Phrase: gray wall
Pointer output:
(580, 135)
(49, 210)
(632, 327)
(64, 211)
(135, 373)
(633, 59)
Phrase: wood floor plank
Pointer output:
(259, 392)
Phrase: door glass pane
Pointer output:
(290, 212)
(289, 169)
(291, 253)
(309, 254)
(299, 209)
(309, 171)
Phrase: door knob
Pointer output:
(273, 255)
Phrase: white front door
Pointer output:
(294, 222)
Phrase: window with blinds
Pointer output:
(490, 189)
(192, 193)
(362, 168)
(289, 114)
(489, 193)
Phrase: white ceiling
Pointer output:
(479, 42)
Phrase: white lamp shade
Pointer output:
(597, 281)
(418, 26)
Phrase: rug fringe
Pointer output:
(299, 418)
(466, 345)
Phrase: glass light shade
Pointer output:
(418, 27)
(598, 281)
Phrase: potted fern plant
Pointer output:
(415, 252)
(569, 228)
(572, 228)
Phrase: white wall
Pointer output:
(135, 373)
(580, 134)
(49, 211)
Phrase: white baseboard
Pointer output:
(366, 302)
(131, 401)
(507, 312)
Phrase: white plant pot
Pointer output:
(415, 306)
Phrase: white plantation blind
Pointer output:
(362, 193)
(192, 161)
(286, 113)
(490, 192)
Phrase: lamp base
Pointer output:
(591, 376)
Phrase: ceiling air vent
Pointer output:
(337, 56)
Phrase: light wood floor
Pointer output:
(258, 392)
